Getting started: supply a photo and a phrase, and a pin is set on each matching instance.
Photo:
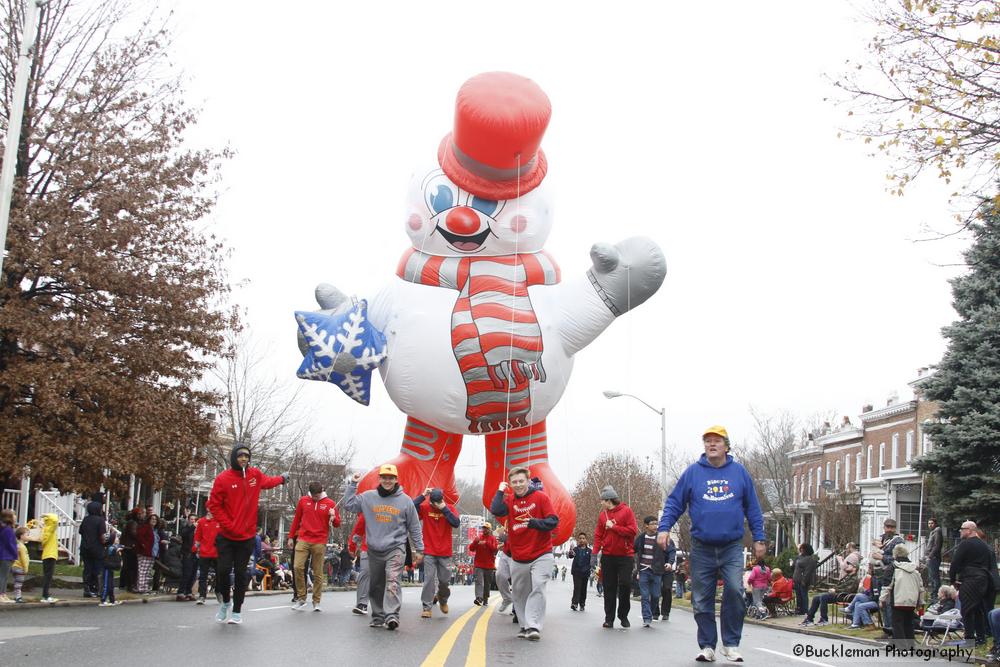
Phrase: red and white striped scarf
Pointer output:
(494, 333)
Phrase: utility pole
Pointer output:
(24, 60)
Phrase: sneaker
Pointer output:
(236, 618)
(665, 617)
(504, 606)
(647, 624)
(19, 600)
(49, 600)
(732, 654)
(853, 627)
(316, 606)
(426, 613)
(572, 607)
(200, 601)
(116, 602)
(223, 612)
(105, 604)
(299, 605)
(608, 624)
(392, 624)
(706, 655)
(655, 618)
(377, 623)
(532, 635)
(806, 623)
(360, 609)
(625, 623)
(478, 602)
(821, 623)
(522, 634)
(443, 606)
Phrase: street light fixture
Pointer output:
(663, 435)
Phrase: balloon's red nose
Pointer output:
(462, 220)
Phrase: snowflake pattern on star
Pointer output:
(344, 348)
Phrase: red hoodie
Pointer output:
(618, 539)
(437, 531)
(312, 519)
(485, 549)
(204, 537)
(234, 499)
(527, 542)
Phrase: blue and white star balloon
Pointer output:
(344, 348)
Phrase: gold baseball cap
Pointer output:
(716, 430)
(388, 469)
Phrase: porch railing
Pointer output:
(48, 502)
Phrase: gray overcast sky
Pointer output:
(793, 282)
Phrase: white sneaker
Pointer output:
(732, 654)
(504, 606)
(316, 606)
(49, 600)
(706, 655)
(299, 605)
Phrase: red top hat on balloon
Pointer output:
(494, 152)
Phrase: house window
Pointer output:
(795, 487)
(894, 461)
(881, 458)
(909, 519)
(819, 481)
(847, 472)
(809, 487)
(868, 466)
(926, 442)
(827, 471)
(909, 447)
(836, 477)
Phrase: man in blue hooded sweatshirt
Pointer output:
(718, 494)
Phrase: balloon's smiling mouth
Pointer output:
(464, 243)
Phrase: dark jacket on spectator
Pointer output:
(92, 532)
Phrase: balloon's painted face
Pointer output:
(445, 220)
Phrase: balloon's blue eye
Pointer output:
(442, 200)
(484, 206)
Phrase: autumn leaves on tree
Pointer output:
(111, 301)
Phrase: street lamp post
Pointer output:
(663, 436)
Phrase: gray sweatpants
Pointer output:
(386, 568)
(363, 580)
(528, 588)
(484, 582)
(503, 577)
(437, 572)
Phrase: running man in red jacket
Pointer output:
(532, 520)
(613, 539)
(439, 521)
(310, 529)
(484, 548)
(233, 502)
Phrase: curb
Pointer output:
(145, 600)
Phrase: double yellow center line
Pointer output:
(477, 647)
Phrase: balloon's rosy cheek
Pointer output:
(518, 224)
(415, 223)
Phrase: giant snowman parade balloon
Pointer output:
(476, 333)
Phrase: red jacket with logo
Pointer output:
(312, 519)
(531, 520)
(618, 539)
(204, 537)
(234, 499)
(485, 550)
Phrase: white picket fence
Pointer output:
(11, 500)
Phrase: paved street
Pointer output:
(185, 634)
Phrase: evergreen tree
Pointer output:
(965, 458)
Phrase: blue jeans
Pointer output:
(801, 598)
(860, 609)
(679, 587)
(708, 562)
(993, 620)
(649, 590)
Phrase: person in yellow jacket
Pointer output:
(50, 553)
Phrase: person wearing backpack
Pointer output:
(903, 594)
(111, 561)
